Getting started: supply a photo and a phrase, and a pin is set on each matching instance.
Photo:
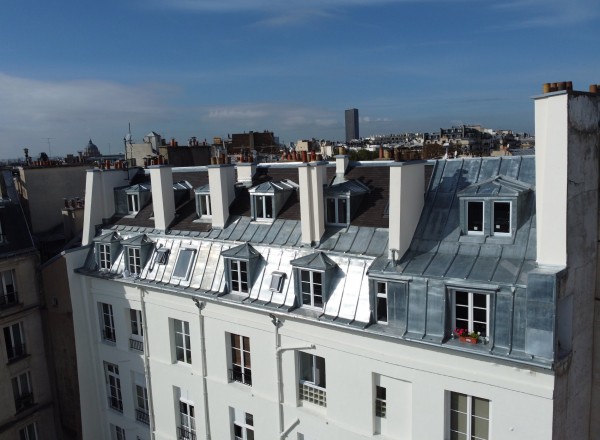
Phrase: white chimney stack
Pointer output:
(311, 178)
(245, 173)
(221, 179)
(407, 197)
(163, 196)
(100, 199)
(341, 164)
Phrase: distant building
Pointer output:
(352, 124)
(26, 408)
(264, 142)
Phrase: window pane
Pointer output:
(479, 315)
(458, 402)
(380, 392)
(342, 210)
(305, 275)
(502, 217)
(479, 300)
(269, 207)
(183, 263)
(331, 211)
(480, 428)
(259, 206)
(382, 309)
(462, 298)
(458, 422)
(481, 407)
(306, 367)
(475, 216)
(320, 372)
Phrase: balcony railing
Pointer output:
(237, 375)
(115, 403)
(16, 352)
(109, 335)
(25, 400)
(8, 300)
(134, 344)
(142, 416)
(184, 433)
(313, 393)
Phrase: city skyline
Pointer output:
(71, 73)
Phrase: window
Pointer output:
(15, 342)
(277, 280)
(134, 261)
(137, 331)
(104, 256)
(244, 430)
(311, 287)
(133, 203)
(117, 433)
(29, 432)
(337, 210)
(113, 386)
(183, 350)
(475, 217)
(205, 209)
(501, 220)
(380, 401)
(471, 312)
(263, 207)
(469, 417)
(238, 270)
(187, 420)
(107, 323)
(141, 404)
(312, 379)
(8, 296)
(381, 306)
(240, 359)
(184, 264)
(22, 391)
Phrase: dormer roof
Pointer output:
(244, 252)
(316, 261)
(496, 186)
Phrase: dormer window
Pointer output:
(313, 274)
(491, 208)
(277, 280)
(241, 266)
(107, 248)
(342, 200)
(137, 253)
(203, 202)
(267, 199)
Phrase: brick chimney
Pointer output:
(221, 179)
(407, 197)
(163, 196)
(311, 178)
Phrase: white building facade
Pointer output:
(326, 301)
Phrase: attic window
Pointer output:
(263, 207)
(475, 217)
(104, 260)
(277, 280)
(337, 210)
(162, 256)
(184, 264)
(133, 203)
(501, 218)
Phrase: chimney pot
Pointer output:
(547, 87)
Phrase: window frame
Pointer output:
(235, 268)
(469, 414)
(182, 344)
(187, 419)
(107, 323)
(113, 386)
(246, 428)
(467, 215)
(380, 402)
(312, 387)
(104, 256)
(22, 390)
(381, 298)
(7, 298)
(262, 207)
(188, 265)
(205, 209)
(17, 348)
(510, 218)
(133, 203)
(26, 434)
(334, 218)
(311, 284)
(470, 306)
(134, 262)
(241, 359)
(117, 432)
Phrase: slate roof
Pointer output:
(438, 248)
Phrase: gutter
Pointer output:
(147, 362)
(201, 305)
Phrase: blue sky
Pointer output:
(71, 71)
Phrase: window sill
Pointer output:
(480, 346)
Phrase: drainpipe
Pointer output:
(146, 362)
(201, 305)
(278, 350)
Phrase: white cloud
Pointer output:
(31, 109)
(548, 13)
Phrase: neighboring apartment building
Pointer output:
(351, 124)
(451, 299)
(26, 409)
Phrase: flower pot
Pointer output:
(468, 339)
